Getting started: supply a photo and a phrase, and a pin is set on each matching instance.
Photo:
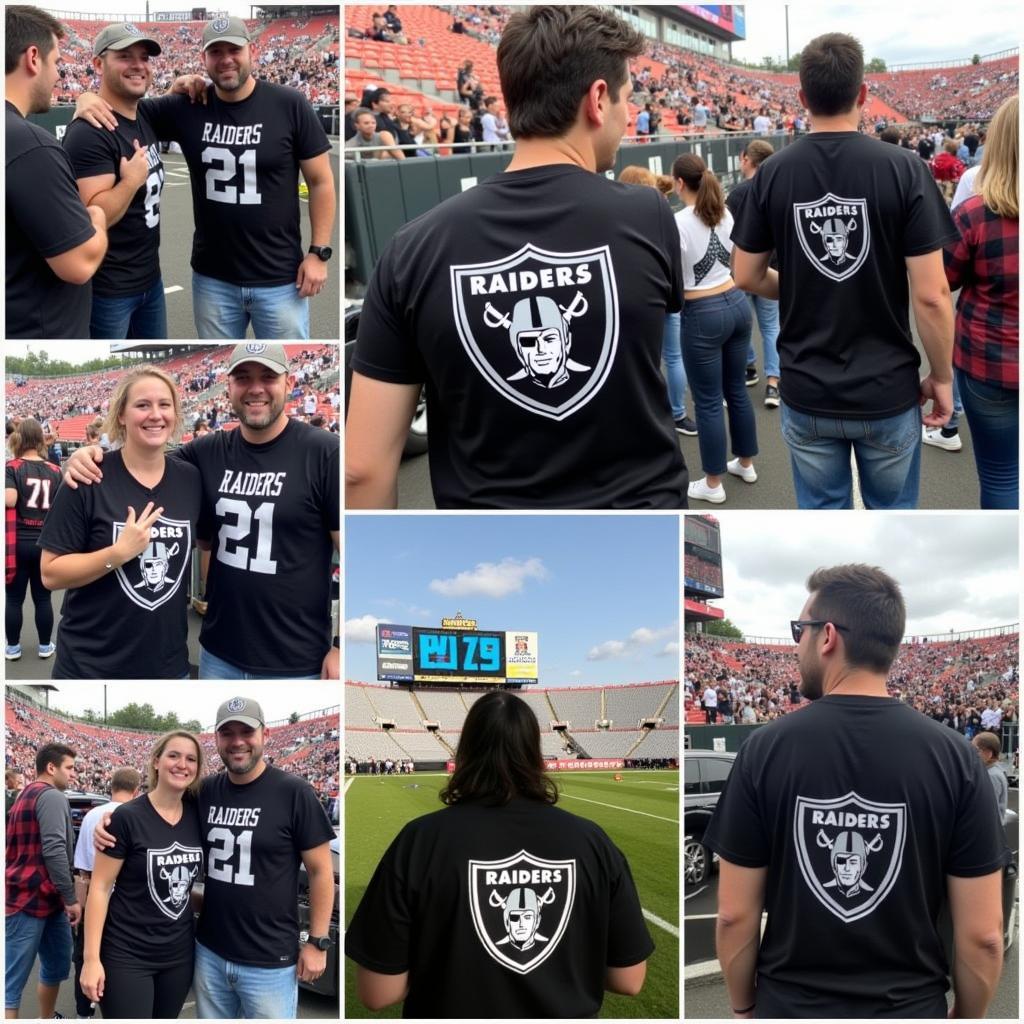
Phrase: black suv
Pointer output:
(704, 775)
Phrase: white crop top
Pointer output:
(706, 250)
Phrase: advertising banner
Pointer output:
(521, 657)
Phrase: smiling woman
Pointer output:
(122, 550)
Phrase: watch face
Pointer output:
(324, 252)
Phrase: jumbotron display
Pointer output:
(455, 652)
(702, 557)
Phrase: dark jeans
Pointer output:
(993, 418)
(27, 573)
(130, 316)
(716, 335)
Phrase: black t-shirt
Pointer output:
(254, 836)
(533, 307)
(150, 922)
(36, 483)
(44, 217)
(843, 213)
(511, 912)
(734, 201)
(132, 263)
(269, 509)
(243, 160)
(131, 622)
(857, 848)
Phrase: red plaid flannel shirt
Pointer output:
(29, 888)
(985, 264)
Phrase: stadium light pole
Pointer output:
(787, 35)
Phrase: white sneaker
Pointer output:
(746, 473)
(935, 438)
(699, 491)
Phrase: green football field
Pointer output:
(640, 813)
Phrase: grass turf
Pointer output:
(376, 808)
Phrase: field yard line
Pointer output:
(664, 925)
(615, 807)
(348, 786)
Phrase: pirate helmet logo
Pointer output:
(540, 327)
(170, 874)
(156, 574)
(850, 851)
(834, 233)
(521, 907)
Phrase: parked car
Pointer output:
(81, 805)
(704, 775)
(327, 983)
(416, 442)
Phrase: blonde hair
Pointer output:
(112, 425)
(157, 751)
(997, 179)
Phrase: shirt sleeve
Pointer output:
(928, 223)
(752, 231)
(42, 196)
(10, 476)
(629, 941)
(378, 934)
(673, 247)
(736, 831)
(164, 114)
(331, 486)
(120, 828)
(384, 346)
(978, 846)
(52, 818)
(85, 852)
(90, 150)
(66, 527)
(310, 827)
(311, 139)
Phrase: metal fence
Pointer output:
(932, 638)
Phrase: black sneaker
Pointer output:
(752, 377)
(771, 396)
(686, 426)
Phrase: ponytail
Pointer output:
(710, 204)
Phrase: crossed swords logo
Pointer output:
(874, 846)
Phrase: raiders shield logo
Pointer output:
(850, 851)
(155, 576)
(170, 873)
(834, 233)
(541, 327)
(521, 907)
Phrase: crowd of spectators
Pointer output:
(966, 684)
(300, 53)
(308, 748)
(201, 383)
(383, 765)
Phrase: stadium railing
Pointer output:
(382, 195)
(936, 638)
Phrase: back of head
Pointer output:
(831, 73)
(709, 206)
(890, 135)
(28, 437)
(997, 179)
(758, 150)
(989, 742)
(125, 780)
(867, 603)
(26, 26)
(634, 175)
(499, 756)
(549, 56)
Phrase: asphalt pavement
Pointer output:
(176, 227)
(948, 479)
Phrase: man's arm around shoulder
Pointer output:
(976, 907)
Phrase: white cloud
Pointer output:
(576, 673)
(641, 637)
(669, 650)
(609, 649)
(362, 630)
(490, 579)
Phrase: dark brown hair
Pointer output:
(499, 756)
(693, 172)
(868, 604)
(26, 26)
(831, 73)
(757, 151)
(28, 436)
(52, 753)
(989, 741)
(548, 58)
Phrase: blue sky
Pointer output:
(601, 591)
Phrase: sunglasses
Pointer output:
(797, 626)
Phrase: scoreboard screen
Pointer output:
(702, 557)
(426, 654)
(702, 534)
(702, 576)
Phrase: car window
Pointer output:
(691, 775)
(716, 771)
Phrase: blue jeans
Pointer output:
(225, 310)
(26, 936)
(767, 313)
(672, 357)
(888, 453)
(958, 406)
(717, 333)
(130, 316)
(993, 418)
(212, 667)
(225, 990)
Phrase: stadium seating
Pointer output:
(624, 706)
(660, 742)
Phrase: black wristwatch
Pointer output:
(322, 942)
(323, 251)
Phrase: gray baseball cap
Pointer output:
(226, 30)
(272, 356)
(121, 35)
(240, 709)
